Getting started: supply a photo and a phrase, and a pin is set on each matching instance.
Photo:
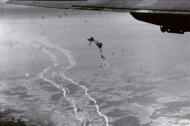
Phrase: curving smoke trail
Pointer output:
(64, 90)
(72, 64)
(42, 75)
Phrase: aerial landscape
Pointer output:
(51, 76)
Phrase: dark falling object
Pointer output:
(98, 44)
(102, 57)
(91, 39)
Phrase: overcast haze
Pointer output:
(50, 76)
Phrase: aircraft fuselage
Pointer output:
(171, 23)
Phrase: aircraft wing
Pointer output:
(161, 6)
(172, 16)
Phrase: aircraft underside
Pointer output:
(173, 16)
(171, 23)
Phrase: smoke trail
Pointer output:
(72, 64)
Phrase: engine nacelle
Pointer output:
(171, 29)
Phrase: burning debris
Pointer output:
(98, 44)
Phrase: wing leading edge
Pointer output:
(171, 15)
(162, 6)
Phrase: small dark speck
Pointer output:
(59, 16)
(102, 57)
(66, 15)
(96, 74)
(100, 66)
(79, 110)
(128, 81)
(85, 21)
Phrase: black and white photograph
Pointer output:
(94, 62)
